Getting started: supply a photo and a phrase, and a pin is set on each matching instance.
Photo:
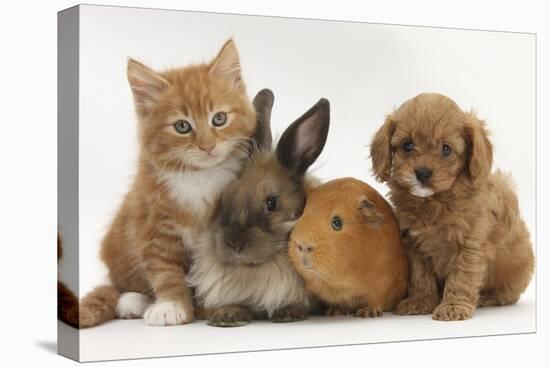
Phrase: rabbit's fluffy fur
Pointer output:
(263, 287)
(467, 243)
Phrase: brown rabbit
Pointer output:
(244, 271)
(348, 249)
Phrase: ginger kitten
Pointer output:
(194, 125)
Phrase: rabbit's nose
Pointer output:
(236, 245)
(305, 248)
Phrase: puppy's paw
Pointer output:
(132, 305)
(369, 312)
(415, 306)
(165, 313)
(230, 316)
(290, 314)
(452, 312)
(337, 311)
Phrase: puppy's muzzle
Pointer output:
(423, 174)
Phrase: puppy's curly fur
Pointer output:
(467, 244)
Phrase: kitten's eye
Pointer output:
(183, 126)
(408, 146)
(446, 150)
(337, 223)
(271, 203)
(219, 119)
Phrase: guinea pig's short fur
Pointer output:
(348, 249)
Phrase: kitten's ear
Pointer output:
(263, 103)
(304, 140)
(146, 85)
(227, 64)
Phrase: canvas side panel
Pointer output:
(67, 163)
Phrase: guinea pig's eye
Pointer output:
(183, 127)
(271, 203)
(337, 223)
(408, 146)
(446, 150)
(219, 119)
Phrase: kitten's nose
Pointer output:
(423, 174)
(208, 148)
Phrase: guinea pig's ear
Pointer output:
(381, 152)
(370, 212)
(304, 140)
(479, 149)
(263, 103)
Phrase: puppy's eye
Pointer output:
(183, 127)
(408, 146)
(337, 223)
(446, 150)
(271, 203)
(219, 119)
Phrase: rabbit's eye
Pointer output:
(271, 203)
(337, 223)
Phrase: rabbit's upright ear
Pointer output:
(304, 140)
(263, 103)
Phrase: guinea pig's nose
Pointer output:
(305, 248)
(423, 174)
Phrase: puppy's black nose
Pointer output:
(423, 174)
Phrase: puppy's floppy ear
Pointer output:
(380, 150)
(304, 140)
(370, 212)
(479, 157)
(263, 103)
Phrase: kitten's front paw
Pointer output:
(415, 306)
(132, 305)
(230, 316)
(453, 312)
(290, 314)
(165, 313)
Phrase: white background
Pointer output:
(365, 70)
(28, 185)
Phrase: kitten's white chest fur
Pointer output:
(198, 191)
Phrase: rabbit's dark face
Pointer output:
(258, 211)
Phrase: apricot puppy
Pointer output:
(466, 242)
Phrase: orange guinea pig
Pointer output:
(347, 248)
